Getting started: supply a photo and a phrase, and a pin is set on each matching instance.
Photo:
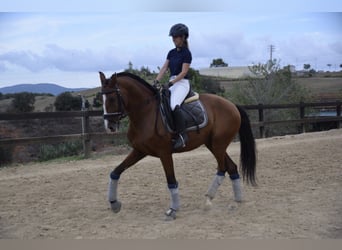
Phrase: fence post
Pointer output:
(338, 113)
(302, 115)
(85, 134)
(261, 119)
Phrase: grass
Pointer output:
(61, 150)
(319, 86)
(65, 159)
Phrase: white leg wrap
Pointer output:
(112, 190)
(174, 198)
(237, 190)
(214, 186)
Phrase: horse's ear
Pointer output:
(103, 78)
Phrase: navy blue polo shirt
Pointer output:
(177, 58)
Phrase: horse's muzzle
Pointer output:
(113, 126)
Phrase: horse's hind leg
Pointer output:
(234, 176)
(225, 164)
(219, 153)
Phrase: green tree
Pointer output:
(205, 84)
(145, 71)
(309, 72)
(130, 67)
(271, 85)
(23, 102)
(218, 62)
(67, 102)
(97, 101)
(307, 66)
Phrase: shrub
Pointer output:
(23, 102)
(6, 155)
(67, 102)
(50, 151)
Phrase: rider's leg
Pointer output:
(178, 93)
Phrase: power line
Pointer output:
(272, 48)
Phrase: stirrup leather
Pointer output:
(183, 141)
(178, 140)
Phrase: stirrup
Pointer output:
(180, 139)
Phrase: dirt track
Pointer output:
(299, 196)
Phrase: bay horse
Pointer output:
(126, 94)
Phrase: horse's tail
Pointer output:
(248, 151)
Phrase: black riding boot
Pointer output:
(179, 121)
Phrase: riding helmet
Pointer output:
(179, 29)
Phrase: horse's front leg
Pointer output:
(172, 183)
(130, 160)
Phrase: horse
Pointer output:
(125, 94)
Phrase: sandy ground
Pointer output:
(298, 196)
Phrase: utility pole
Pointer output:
(272, 48)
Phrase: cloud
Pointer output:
(312, 48)
(337, 48)
(26, 59)
(68, 47)
(56, 57)
(3, 67)
(235, 48)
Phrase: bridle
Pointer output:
(122, 112)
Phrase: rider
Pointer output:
(178, 60)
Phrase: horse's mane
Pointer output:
(139, 79)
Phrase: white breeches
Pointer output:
(179, 91)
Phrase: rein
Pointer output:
(122, 113)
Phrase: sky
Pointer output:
(68, 42)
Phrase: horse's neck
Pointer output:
(139, 101)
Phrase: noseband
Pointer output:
(121, 113)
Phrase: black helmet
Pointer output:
(179, 29)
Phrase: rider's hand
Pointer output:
(167, 85)
(156, 84)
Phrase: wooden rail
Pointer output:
(302, 119)
(87, 136)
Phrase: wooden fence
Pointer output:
(302, 119)
(87, 136)
(84, 134)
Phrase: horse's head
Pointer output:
(113, 104)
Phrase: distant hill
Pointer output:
(48, 88)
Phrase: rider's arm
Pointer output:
(163, 70)
(182, 74)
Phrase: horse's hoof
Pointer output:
(208, 204)
(170, 215)
(116, 206)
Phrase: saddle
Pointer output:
(192, 108)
